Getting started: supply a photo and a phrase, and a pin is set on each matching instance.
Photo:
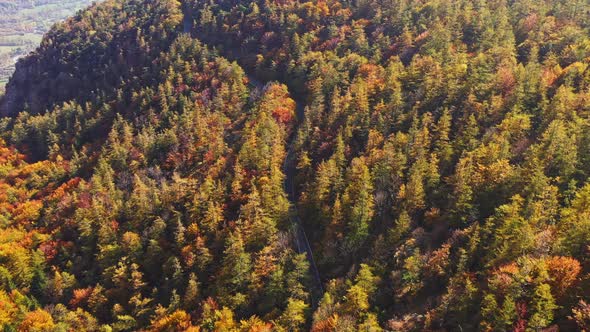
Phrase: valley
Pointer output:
(22, 25)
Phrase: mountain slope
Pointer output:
(23, 24)
(436, 153)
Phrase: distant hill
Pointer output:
(300, 165)
(22, 25)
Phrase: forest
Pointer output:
(300, 165)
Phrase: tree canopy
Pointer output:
(155, 155)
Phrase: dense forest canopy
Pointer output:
(162, 161)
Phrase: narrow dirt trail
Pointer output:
(187, 19)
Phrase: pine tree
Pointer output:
(543, 306)
(191, 293)
(358, 200)
(442, 143)
(236, 269)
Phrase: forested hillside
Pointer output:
(164, 165)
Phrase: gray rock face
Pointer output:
(23, 24)
(22, 91)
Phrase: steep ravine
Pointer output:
(289, 168)
(300, 237)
